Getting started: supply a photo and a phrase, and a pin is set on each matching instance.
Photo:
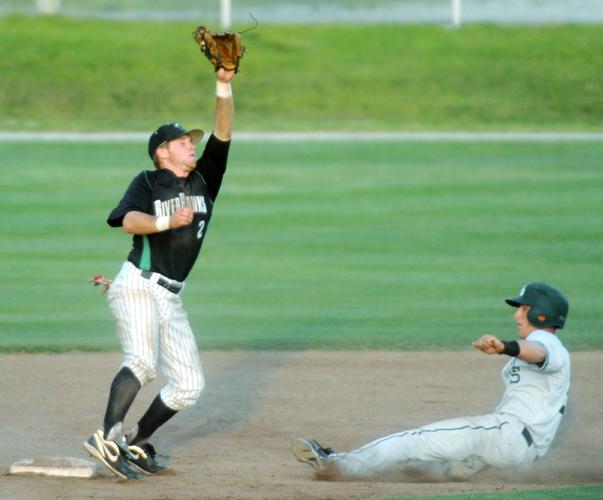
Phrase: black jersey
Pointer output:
(173, 253)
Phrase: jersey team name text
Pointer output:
(169, 207)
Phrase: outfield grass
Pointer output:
(325, 245)
(577, 493)
(83, 74)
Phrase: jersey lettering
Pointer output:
(513, 373)
(201, 227)
(169, 207)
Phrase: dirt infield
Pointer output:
(235, 442)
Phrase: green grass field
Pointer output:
(580, 493)
(83, 74)
(324, 245)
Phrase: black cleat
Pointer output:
(111, 455)
(142, 456)
(311, 452)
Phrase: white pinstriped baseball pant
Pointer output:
(497, 438)
(153, 329)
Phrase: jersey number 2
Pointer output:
(201, 227)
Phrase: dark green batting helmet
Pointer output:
(548, 308)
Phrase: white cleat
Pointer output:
(310, 452)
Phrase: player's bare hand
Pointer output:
(99, 279)
(225, 76)
(488, 344)
(182, 217)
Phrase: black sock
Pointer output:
(157, 415)
(124, 388)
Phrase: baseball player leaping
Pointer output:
(521, 429)
(168, 212)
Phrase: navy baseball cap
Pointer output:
(169, 132)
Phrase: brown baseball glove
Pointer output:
(224, 50)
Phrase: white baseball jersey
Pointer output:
(537, 394)
(517, 432)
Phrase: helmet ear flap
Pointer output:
(537, 317)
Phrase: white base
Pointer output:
(55, 466)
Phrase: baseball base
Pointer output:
(55, 466)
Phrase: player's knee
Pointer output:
(191, 397)
(185, 394)
(193, 392)
(144, 371)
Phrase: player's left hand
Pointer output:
(225, 76)
(488, 344)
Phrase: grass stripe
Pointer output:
(316, 245)
(434, 136)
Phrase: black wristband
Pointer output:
(511, 347)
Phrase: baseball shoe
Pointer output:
(465, 469)
(111, 455)
(311, 452)
(142, 456)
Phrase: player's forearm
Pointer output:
(522, 349)
(224, 114)
(141, 223)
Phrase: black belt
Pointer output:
(162, 282)
(528, 437)
(526, 433)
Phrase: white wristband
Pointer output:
(162, 223)
(223, 89)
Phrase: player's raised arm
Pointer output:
(224, 51)
(224, 113)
